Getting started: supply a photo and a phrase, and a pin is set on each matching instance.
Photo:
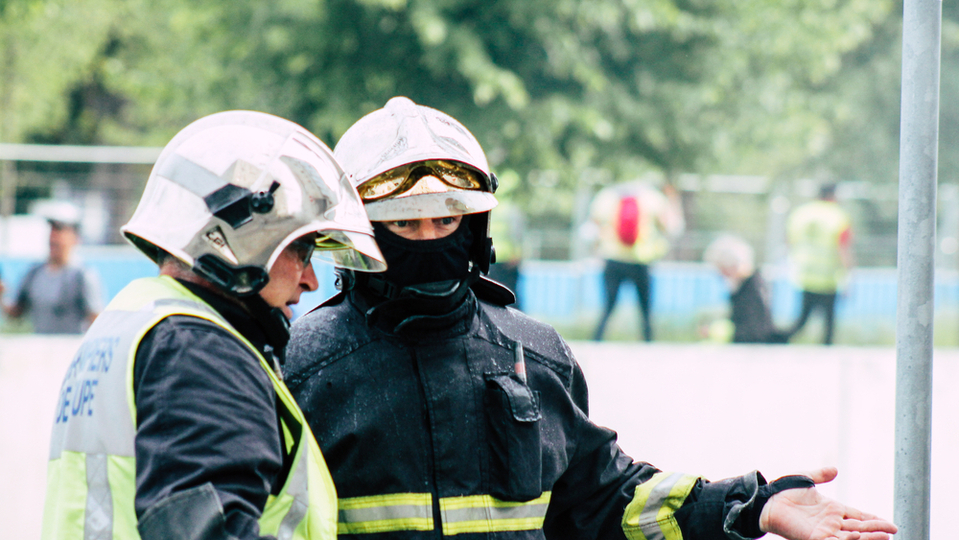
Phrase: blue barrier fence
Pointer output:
(566, 292)
(566, 289)
(562, 288)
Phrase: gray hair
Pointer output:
(731, 252)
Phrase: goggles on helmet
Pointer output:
(399, 180)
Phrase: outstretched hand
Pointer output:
(804, 514)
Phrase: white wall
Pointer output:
(722, 411)
(24, 236)
(31, 369)
(714, 410)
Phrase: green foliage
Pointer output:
(44, 53)
(563, 94)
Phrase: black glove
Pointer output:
(742, 521)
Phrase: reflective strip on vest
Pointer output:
(297, 486)
(651, 513)
(414, 512)
(99, 515)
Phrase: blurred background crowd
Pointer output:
(734, 113)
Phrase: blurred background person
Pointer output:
(750, 317)
(59, 295)
(634, 224)
(819, 234)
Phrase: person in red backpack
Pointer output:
(633, 223)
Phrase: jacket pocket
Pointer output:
(513, 414)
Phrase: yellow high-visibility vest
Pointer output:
(814, 231)
(657, 222)
(91, 475)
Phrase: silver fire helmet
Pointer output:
(386, 147)
(231, 190)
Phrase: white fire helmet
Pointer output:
(383, 149)
(233, 189)
(408, 161)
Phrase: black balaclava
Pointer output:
(414, 262)
(426, 281)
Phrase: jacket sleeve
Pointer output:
(605, 494)
(206, 420)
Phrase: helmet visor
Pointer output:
(348, 249)
(402, 179)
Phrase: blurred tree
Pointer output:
(44, 54)
(949, 95)
(558, 88)
(863, 140)
(555, 89)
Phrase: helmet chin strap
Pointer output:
(275, 325)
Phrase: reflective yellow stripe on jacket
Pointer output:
(414, 512)
(651, 514)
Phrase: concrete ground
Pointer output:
(710, 409)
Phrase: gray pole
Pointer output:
(918, 156)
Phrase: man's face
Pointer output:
(291, 275)
(424, 229)
(63, 238)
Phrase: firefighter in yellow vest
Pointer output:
(819, 235)
(173, 422)
(634, 224)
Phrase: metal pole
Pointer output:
(918, 156)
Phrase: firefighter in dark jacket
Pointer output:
(173, 422)
(443, 412)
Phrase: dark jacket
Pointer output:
(206, 412)
(433, 432)
(751, 315)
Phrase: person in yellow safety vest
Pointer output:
(634, 224)
(173, 421)
(819, 234)
(443, 412)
